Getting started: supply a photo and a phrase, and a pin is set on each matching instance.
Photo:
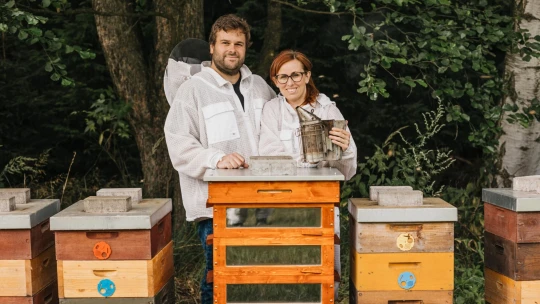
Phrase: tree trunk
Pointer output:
(138, 79)
(520, 147)
(272, 39)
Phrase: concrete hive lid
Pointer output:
(143, 215)
(245, 175)
(519, 201)
(30, 214)
(434, 209)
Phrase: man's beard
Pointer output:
(220, 65)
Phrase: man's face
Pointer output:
(229, 51)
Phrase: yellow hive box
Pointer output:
(503, 290)
(21, 278)
(383, 271)
(132, 279)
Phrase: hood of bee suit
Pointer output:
(185, 61)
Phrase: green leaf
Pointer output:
(55, 77)
(3, 27)
(48, 67)
(66, 82)
(46, 3)
(10, 4)
(422, 83)
(22, 35)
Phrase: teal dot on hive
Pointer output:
(406, 280)
(106, 287)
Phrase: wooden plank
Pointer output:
(25, 244)
(60, 277)
(500, 221)
(165, 296)
(42, 271)
(380, 271)
(273, 192)
(418, 237)
(528, 227)
(501, 289)
(324, 269)
(162, 269)
(132, 278)
(48, 295)
(124, 244)
(520, 262)
(327, 284)
(403, 297)
(21, 278)
(222, 231)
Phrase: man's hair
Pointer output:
(229, 23)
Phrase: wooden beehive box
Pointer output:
(165, 296)
(501, 289)
(126, 254)
(130, 278)
(292, 254)
(25, 231)
(401, 253)
(512, 237)
(47, 295)
(27, 263)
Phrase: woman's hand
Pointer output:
(340, 137)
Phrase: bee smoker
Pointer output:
(316, 145)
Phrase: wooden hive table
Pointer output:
(290, 258)
(512, 246)
(402, 254)
(27, 263)
(115, 257)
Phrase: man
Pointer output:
(214, 122)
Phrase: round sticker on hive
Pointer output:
(106, 287)
(406, 280)
(405, 241)
(102, 250)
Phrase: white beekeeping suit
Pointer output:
(184, 61)
(205, 123)
(280, 136)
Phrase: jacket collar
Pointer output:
(245, 73)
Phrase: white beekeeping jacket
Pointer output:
(206, 122)
(280, 134)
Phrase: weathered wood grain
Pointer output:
(21, 278)
(48, 295)
(25, 244)
(133, 278)
(518, 261)
(124, 244)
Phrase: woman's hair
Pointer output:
(288, 55)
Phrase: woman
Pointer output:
(291, 73)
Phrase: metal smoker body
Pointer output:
(316, 145)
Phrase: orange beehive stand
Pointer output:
(27, 263)
(312, 193)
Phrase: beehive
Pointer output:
(27, 263)
(112, 247)
(288, 259)
(402, 251)
(512, 242)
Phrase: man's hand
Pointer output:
(232, 161)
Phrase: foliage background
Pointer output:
(421, 83)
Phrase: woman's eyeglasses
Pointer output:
(296, 77)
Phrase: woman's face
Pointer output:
(294, 92)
